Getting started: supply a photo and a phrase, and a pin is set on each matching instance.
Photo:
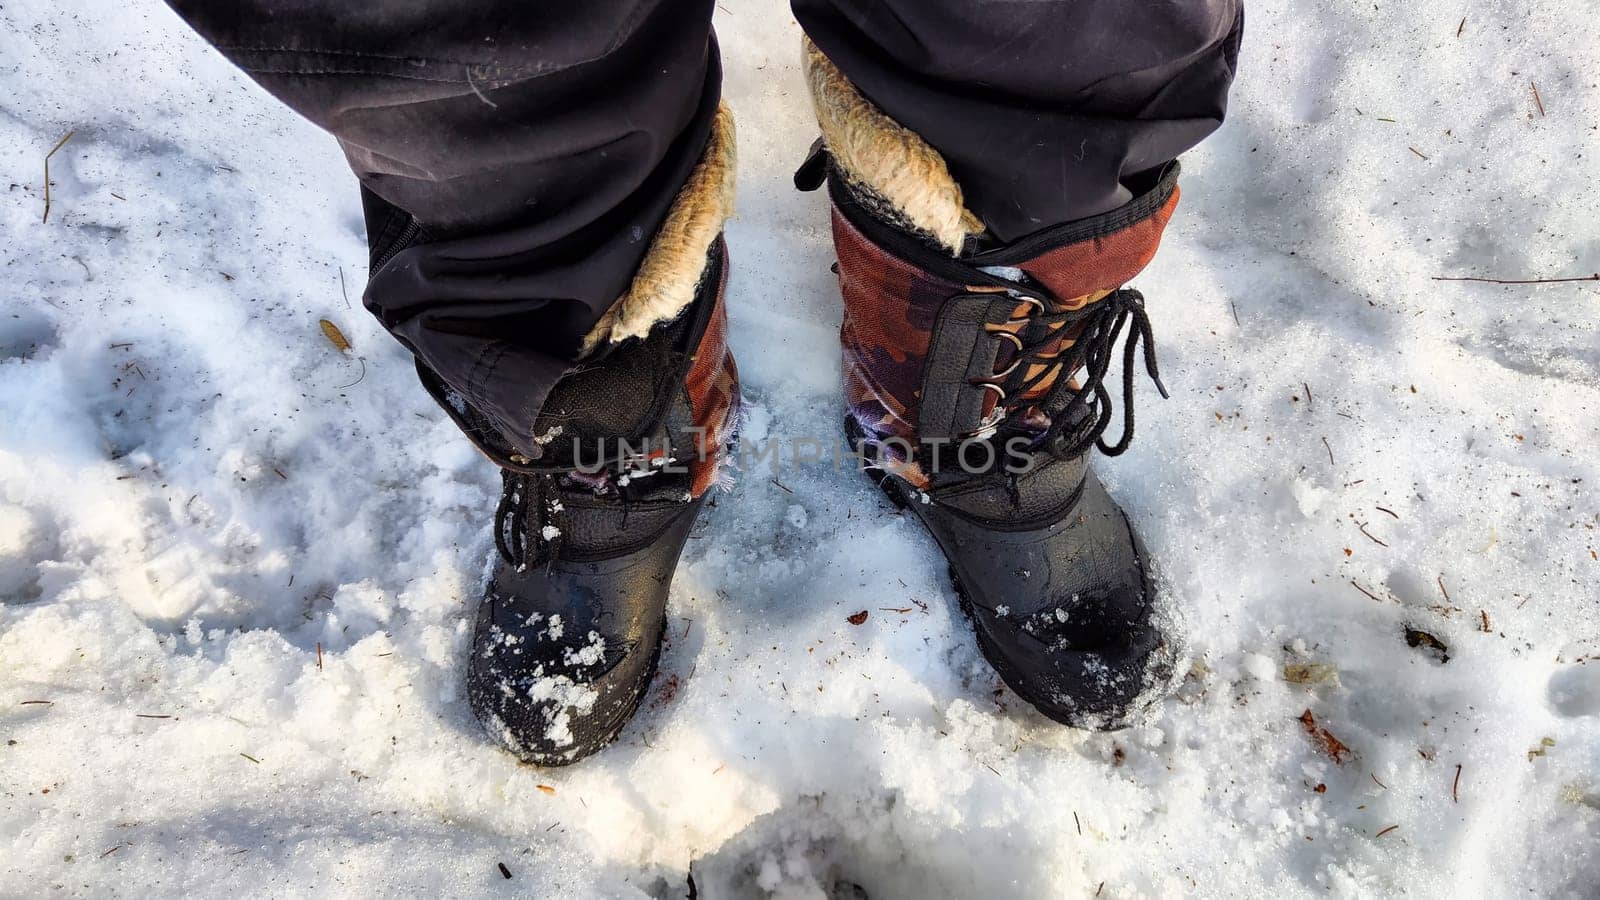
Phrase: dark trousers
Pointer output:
(516, 158)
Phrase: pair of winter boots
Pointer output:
(976, 380)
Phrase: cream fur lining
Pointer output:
(668, 277)
(890, 160)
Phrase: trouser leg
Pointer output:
(515, 162)
(1042, 110)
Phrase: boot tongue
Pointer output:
(604, 439)
(1082, 263)
(621, 396)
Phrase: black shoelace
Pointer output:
(1082, 422)
(529, 504)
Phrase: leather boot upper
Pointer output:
(977, 381)
(589, 533)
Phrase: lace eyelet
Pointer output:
(1007, 335)
(989, 427)
(1000, 392)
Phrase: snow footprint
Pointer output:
(25, 540)
(24, 333)
(1575, 691)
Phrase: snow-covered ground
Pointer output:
(236, 574)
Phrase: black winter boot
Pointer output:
(588, 534)
(975, 376)
(569, 631)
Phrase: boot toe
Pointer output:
(563, 652)
(552, 719)
(551, 690)
(1065, 612)
(1099, 680)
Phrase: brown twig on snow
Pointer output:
(1455, 787)
(1365, 591)
(59, 144)
(1537, 100)
(1594, 277)
(1442, 590)
(1362, 527)
(1330, 450)
(1419, 153)
(1386, 830)
(1462, 27)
